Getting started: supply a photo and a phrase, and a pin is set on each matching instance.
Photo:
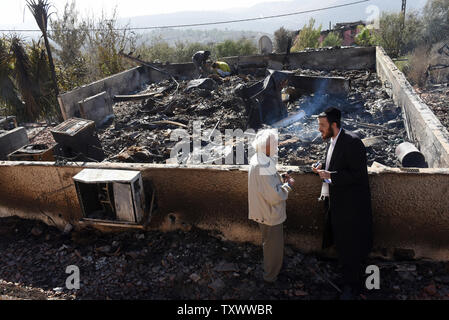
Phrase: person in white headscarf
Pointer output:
(267, 195)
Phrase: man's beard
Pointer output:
(329, 134)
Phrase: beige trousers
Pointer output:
(273, 250)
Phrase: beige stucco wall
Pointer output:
(410, 210)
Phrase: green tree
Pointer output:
(239, 47)
(183, 52)
(70, 34)
(389, 33)
(395, 39)
(104, 43)
(8, 91)
(436, 20)
(307, 37)
(365, 37)
(281, 38)
(413, 33)
(333, 39)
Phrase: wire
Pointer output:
(208, 23)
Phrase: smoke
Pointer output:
(319, 101)
(306, 126)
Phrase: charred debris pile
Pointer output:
(436, 96)
(143, 123)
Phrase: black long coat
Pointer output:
(349, 219)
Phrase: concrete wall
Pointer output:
(12, 140)
(423, 127)
(349, 58)
(411, 210)
(121, 83)
(96, 108)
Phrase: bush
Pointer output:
(158, 51)
(307, 38)
(418, 65)
(438, 58)
(229, 48)
(183, 52)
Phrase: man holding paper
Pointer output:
(347, 199)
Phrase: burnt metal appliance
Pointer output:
(111, 195)
(34, 152)
(78, 140)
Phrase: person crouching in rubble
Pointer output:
(199, 59)
(267, 195)
(221, 68)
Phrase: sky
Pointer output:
(12, 11)
(14, 15)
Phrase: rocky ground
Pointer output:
(182, 265)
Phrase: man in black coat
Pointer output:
(347, 199)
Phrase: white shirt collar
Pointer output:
(334, 141)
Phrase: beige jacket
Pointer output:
(267, 194)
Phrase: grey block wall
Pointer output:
(11, 141)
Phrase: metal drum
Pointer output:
(410, 156)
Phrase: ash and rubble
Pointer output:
(193, 265)
(141, 130)
(437, 98)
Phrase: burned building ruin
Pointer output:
(136, 114)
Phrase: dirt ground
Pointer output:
(194, 265)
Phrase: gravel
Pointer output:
(437, 98)
(182, 265)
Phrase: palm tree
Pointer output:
(8, 91)
(40, 10)
(24, 79)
